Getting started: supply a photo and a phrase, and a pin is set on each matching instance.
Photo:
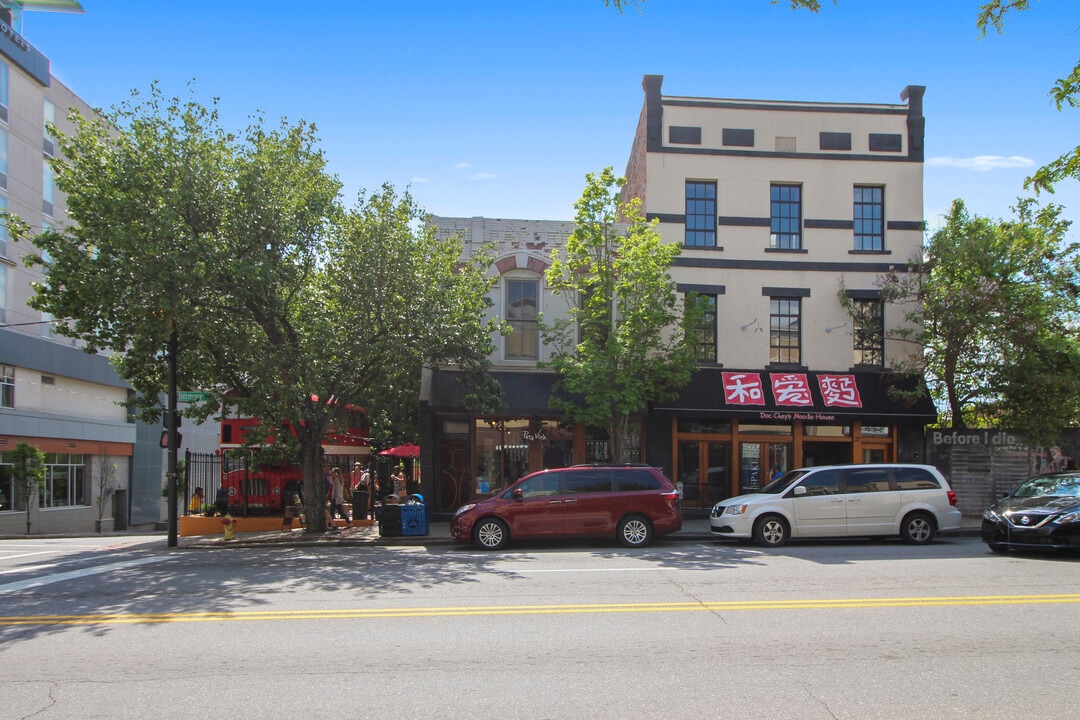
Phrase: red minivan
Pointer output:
(633, 503)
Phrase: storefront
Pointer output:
(720, 437)
(728, 431)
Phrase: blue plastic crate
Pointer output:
(414, 520)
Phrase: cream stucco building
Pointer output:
(779, 207)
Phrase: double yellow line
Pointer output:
(365, 613)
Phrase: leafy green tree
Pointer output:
(234, 253)
(993, 309)
(385, 299)
(28, 469)
(621, 344)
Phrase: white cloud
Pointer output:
(461, 165)
(981, 163)
(419, 180)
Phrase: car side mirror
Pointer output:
(517, 494)
(799, 490)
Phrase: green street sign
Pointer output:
(192, 396)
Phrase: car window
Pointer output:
(780, 484)
(577, 482)
(909, 478)
(540, 486)
(1050, 485)
(630, 480)
(826, 482)
(868, 479)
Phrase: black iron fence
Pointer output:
(202, 471)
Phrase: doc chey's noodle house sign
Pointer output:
(792, 390)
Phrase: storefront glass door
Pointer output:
(705, 472)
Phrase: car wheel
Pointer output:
(491, 534)
(635, 531)
(771, 531)
(998, 548)
(917, 529)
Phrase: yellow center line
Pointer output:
(362, 613)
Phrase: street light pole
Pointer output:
(170, 425)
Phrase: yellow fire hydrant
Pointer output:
(229, 523)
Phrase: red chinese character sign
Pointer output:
(743, 389)
(839, 390)
(791, 389)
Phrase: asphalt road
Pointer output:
(104, 628)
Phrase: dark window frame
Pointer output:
(704, 336)
(519, 348)
(869, 332)
(700, 222)
(785, 330)
(868, 213)
(785, 216)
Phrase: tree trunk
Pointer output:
(311, 470)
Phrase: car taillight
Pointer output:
(952, 498)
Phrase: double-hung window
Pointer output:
(703, 335)
(700, 214)
(869, 216)
(7, 386)
(48, 189)
(522, 312)
(869, 332)
(785, 203)
(785, 335)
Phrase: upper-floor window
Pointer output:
(785, 335)
(3, 159)
(700, 214)
(7, 386)
(522, 311)
(3, 92)
(786, 217)
(3, 292)
(869, 332)
(48, 189)
(703, 336)
(869, 216)
(3, 227)
(48, 143)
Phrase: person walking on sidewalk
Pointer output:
(337, 494)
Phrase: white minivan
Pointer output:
(912, 501)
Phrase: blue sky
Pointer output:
(499, 108)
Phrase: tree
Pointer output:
(989, 302)
(385, 299)
(233, 251)
(621, 345)
(28, 469)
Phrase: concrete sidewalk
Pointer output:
(693, 529)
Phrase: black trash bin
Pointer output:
(360, 508)
(390, 520)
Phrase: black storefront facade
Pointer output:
(719, 437)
